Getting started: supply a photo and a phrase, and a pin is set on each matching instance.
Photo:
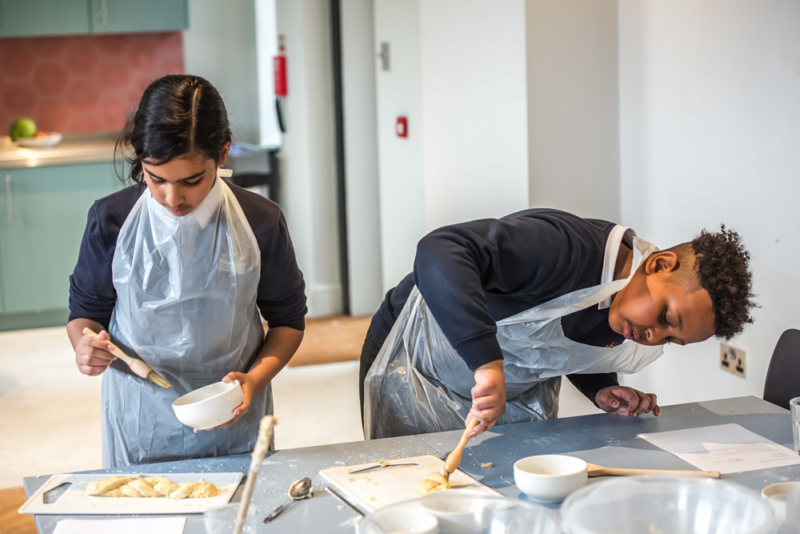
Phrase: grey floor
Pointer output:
(50, 413)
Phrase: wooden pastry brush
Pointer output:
(454, 458)
(137, 366)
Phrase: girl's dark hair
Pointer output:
(178, 113)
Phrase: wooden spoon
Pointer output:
(600, 471)
(454, 458)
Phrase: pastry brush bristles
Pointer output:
(157, 380)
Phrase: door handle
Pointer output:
(102, 15)
(9, 200)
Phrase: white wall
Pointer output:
(473, 109)
(572, 106)
(710, 132)
(308, 158)
(220, 46)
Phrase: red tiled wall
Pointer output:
(84, 83)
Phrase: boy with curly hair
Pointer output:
(476, 274)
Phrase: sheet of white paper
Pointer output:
(724, 448)
(162, 525)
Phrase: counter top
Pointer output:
(604, 439)
(74, 148)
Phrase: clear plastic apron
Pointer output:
(419, 384)
(186, 305)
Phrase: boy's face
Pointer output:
(652, 310)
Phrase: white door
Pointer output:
(400, 160)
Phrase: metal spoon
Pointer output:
(299, 490)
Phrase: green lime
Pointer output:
(22, 128)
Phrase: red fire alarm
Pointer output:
(401, 127)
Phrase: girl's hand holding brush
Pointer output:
(137, 366)
(93, 354)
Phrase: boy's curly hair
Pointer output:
(719, 263)
(723, 268)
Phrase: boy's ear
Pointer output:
(661, 262)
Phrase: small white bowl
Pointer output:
(209, 406)
(551, 477)
(457, 510)
(408, 521)
(45, 141)
(776, 496)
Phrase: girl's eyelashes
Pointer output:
(159, 181)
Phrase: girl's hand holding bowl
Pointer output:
(248, 392)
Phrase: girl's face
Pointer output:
(182, 184)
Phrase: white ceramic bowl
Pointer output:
(45, 141)
(776, 495)
(461, 513)
(209, 406)
(409, 521)
(551, 477)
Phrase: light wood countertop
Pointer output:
(75, 148)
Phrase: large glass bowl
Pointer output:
(666, 505)
(461, 512)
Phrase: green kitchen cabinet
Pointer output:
(43, 17)
(42, 219)
(126, 16)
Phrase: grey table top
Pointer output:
(604, 439)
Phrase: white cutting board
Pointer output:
(73, 501)
(384, 486)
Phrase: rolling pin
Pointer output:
(454, 458)
(138, 367)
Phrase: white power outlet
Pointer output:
(732, 360)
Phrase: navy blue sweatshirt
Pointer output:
(474, 274)
(281, 290)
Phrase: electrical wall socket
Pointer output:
(732, 360)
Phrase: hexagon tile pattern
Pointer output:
(83, 83)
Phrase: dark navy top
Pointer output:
(281, 290)
(474, 274)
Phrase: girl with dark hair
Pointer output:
(174, 270)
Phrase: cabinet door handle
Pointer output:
(103, 13)
(9, 201)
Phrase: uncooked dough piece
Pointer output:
(100, 487)
(433, 482)
(163, 486)
(150, 487)
(138, 488)
(194, 490)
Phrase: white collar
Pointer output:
(618, 235)
(209, 205)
